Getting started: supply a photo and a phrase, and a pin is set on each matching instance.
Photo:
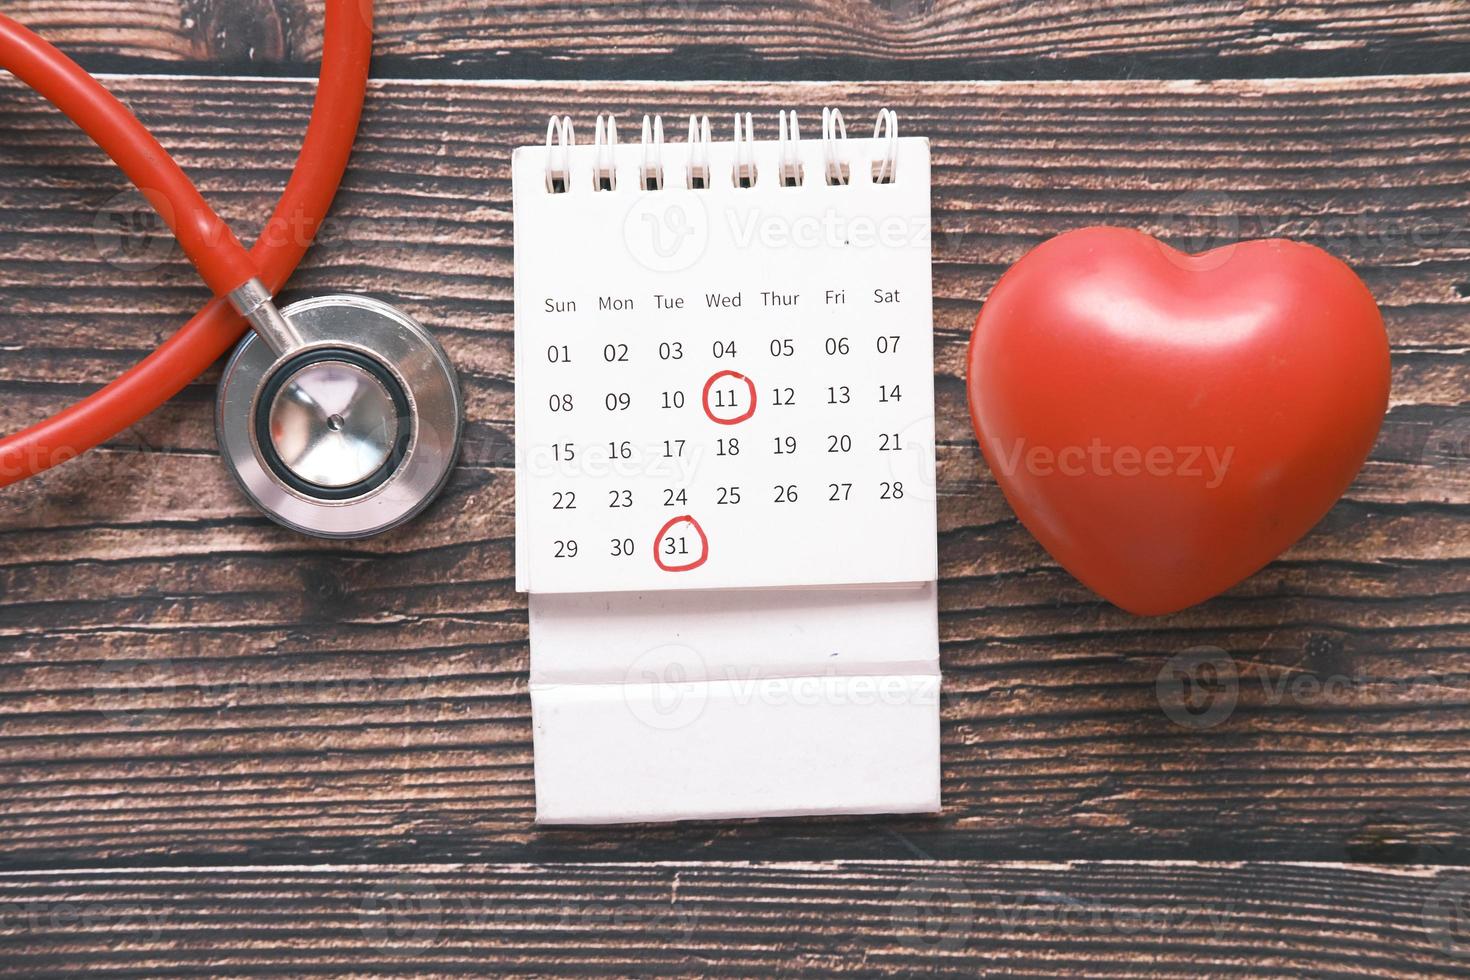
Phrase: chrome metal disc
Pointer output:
(350, 434)
(332, 423)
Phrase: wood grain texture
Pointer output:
(182, 682)
(799, 919)
(668, 39)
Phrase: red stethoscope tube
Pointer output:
(204, 237)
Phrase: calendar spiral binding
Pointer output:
(836, 168)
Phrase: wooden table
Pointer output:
(229, 748)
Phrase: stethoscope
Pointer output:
(339, 416)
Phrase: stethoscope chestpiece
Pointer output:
(352, 430)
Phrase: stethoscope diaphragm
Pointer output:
(352, 430)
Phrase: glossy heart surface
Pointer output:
(1166, 424)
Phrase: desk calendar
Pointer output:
(725, 511)
(723, 386)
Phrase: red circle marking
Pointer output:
(711, 383)
(703, 545)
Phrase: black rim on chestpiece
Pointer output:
(267, 398)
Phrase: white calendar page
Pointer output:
(724, 387)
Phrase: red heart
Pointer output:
(1166, 423)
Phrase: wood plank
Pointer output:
(182, 681)
(960, 919)
(931, 39)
